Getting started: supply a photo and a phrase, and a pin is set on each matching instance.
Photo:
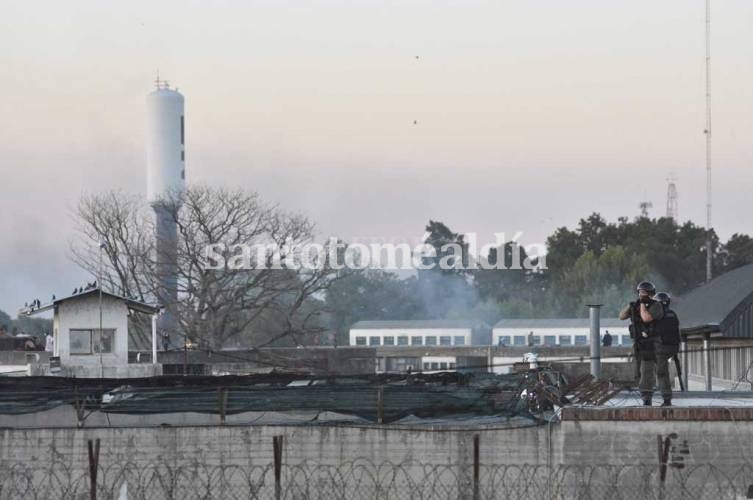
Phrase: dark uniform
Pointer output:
(645, 345)
(668, 332)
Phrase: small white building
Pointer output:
(91, 332)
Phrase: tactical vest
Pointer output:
(668, 328)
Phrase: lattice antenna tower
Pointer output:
(672, 199)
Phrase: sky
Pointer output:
(528, 115)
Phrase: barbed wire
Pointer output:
(365, 479)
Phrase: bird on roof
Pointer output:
(53, 297)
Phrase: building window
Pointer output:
(550, 340)
(435, 366)
(503, 340)
(626, 340)
(360, 340)
(581, 340)
(431, 340)
(445, 340)
(91, 341)
(519, 340)
(401, 364)
(390, 340)
(566, 340)
(537, 340)
(182, 130)
(427, 366)
(452, 366)
(443, 365)
(374, 341)
(416, 341)
(459, 340)
(402, 340)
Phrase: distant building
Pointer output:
(86, 350)
(557, 332)
(419, 333)
(462, 345)
(421, 345)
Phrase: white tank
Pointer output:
(165, 145)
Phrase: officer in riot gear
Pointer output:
(643, 314)
(667, 330)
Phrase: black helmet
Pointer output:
(663, 297)
(647, 286)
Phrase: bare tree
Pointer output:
(262, 303)
(124, 224)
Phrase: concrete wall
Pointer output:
(570, 443)
(575, 459)
(252, 445)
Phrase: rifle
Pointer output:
(679, 372)
(635, 334)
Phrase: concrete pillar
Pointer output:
(707, 359)
(594, 315)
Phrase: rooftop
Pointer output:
(133, 304)
(713, 306)
(418, 324)
(690, 405)
(558, 323)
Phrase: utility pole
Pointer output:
(707, 131)
(102, 246)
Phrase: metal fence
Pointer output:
(364, 479)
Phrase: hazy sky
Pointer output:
(530, 114)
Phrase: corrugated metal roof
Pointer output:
(558, 323)
(131, 303)
(418, 323)
(723, 304)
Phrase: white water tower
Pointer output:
(166, 181)
(165, 145)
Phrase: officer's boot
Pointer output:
(667, 402)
